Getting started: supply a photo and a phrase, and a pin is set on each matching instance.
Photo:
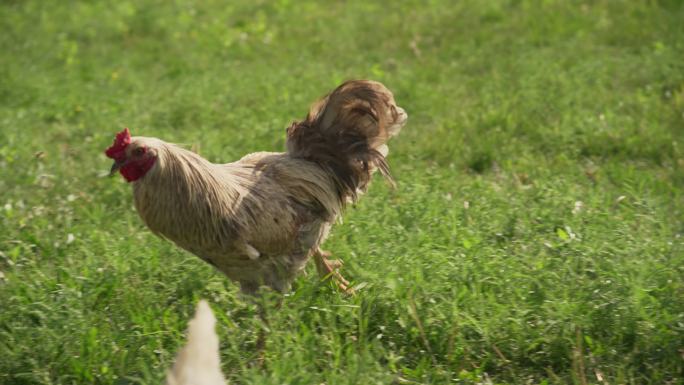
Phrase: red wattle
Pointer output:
(135, 170)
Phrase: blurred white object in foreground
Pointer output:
(198, 363)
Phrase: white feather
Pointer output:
(198, 363)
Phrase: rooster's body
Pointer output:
(259, 220)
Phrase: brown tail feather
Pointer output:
(346, 131)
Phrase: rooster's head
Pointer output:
(133, 157)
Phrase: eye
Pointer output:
(139, 151)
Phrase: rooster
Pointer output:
(260, 219)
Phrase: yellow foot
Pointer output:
(328, 268)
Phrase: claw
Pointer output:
(327, 268)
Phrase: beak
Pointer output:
(116, 166)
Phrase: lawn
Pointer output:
(534, 237)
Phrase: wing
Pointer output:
(287, 200)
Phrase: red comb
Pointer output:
(116, 150)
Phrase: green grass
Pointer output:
(521, 108)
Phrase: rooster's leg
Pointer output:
(327, 268)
